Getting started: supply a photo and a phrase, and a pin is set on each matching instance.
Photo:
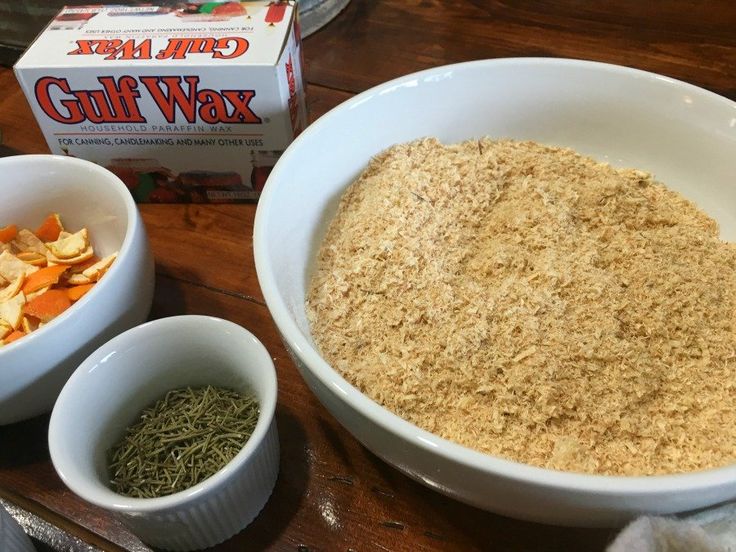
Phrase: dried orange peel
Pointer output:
(5, 329)
(75, 293)
(47, 276)
(16, 334)
(32, 258)
(11, 311)
(7, 233)
(50, 228)
(43, 273)
(70, 248)
(48, 305)
(11, 289)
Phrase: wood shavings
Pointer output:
(534, 304)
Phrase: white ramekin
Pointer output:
(133, 370)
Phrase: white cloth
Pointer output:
(712, 530)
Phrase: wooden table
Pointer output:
(333, 494)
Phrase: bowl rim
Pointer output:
(611, 485)
(131, 230)
(111, 500)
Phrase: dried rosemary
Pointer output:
(181, 440)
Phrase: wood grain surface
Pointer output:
(333, 494)
(376, 41)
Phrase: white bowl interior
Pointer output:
(109, 390)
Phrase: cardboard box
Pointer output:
(187, 103)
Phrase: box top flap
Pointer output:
(195, 33)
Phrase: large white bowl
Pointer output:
(33, 369)
(685, 135)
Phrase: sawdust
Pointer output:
(535, 304)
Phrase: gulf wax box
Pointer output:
(185, 103)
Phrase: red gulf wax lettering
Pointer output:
(227, 47)
(115, 102)
(113, 49)
(211, 106)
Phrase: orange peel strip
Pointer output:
(96, 271)
(69, 246)
(32, 258)
(29, 324)
(12, 289)
(84, 265)
(11, 266)
(77, 292)
(5, 329)
(78, 280)
(48, 305)
(44, 277)
(27, 241)
(50, 228)
(38, 292)
(16, 334)
(8, 233)
(83, 256)
(11, 310)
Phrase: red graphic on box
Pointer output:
(150, 182)
(293, 98)
(275, 12)
(212, 11)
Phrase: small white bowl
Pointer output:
(34, 369)
(106, 394)
(683, 134)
